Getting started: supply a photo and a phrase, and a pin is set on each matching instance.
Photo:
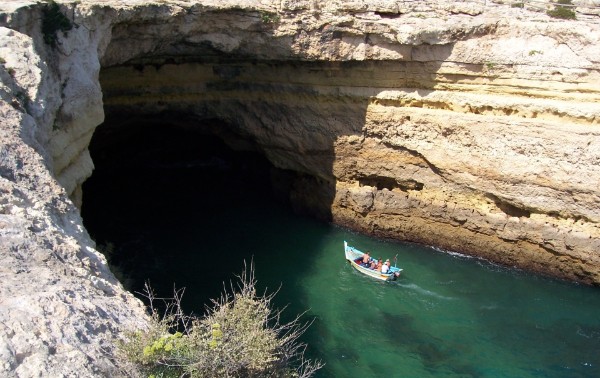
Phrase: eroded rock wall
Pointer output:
(61, 309)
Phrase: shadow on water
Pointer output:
(434, 353)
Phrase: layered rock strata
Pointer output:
(465, 126)
(476, 132)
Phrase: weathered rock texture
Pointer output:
(61, 309)
(467, 127)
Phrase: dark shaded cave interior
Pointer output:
(162, 184)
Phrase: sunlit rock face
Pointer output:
(467, 127)
(61, 309)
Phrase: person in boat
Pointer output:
(366, 259)
(373, 264)
(385, 268)
(379, 264)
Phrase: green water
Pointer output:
(447, 316)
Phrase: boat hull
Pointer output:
(353, 254)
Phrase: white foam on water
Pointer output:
(588, 335)
(454, 254)
(489, 307)
(479, 260)
(421, 290)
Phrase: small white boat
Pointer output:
(354, 257)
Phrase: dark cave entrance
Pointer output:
(163, 191)
(152, 152)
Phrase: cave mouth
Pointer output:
(162, 191)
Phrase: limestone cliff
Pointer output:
(465, 126)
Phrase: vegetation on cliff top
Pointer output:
(240, 336)
(563, 10)
(53, 21)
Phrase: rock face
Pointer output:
(61, 309)
(465, 126)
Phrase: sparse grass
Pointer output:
(240, 336)
(535, 52)
(269, 17)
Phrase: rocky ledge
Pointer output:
(472, 126)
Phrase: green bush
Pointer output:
(240, 336)
(269, 17)
(563, 12)
(53, 20)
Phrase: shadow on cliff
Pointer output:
(279, 94)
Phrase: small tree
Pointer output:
(240, 336)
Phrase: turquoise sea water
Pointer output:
(447, 316)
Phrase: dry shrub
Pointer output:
(241, 335)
